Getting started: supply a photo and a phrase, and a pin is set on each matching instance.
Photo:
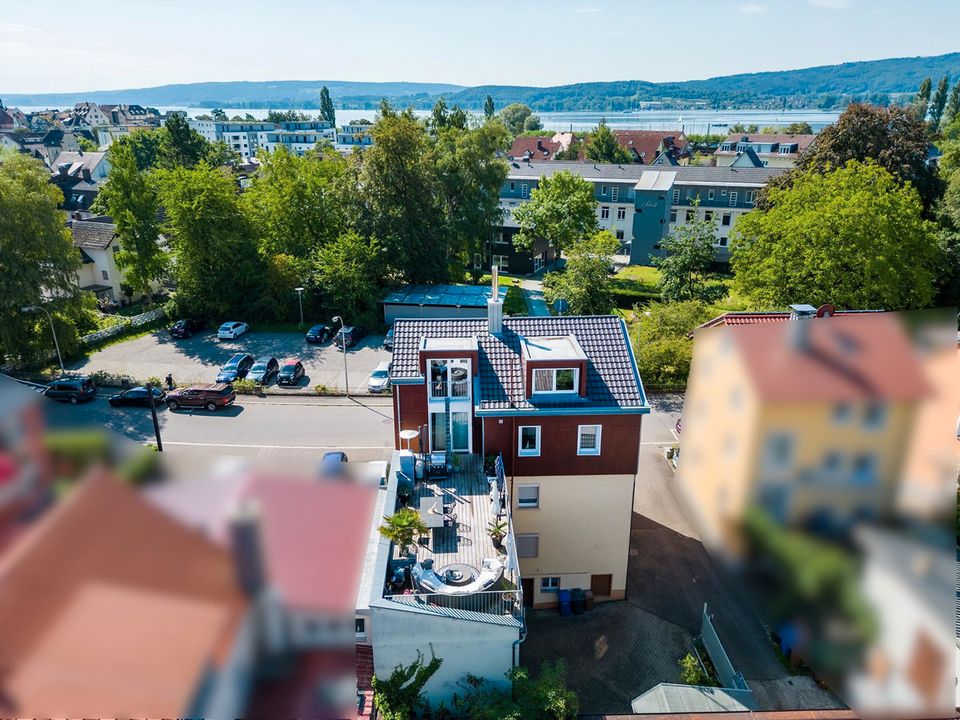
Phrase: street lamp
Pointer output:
(343, 347)
(33, 308)
(299, 291)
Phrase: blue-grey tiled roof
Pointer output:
(612, 380)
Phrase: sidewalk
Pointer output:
(533, 295)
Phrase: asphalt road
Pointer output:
(362, 428)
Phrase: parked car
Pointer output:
(232, 330)
(137, 397)
(379, 378)
(319, 333)
(290, 372)
(348, 336)
(388, 340)
(211, 397)
(186, 328)
(263, 370)
(236, 368)
(333, 463)
(72, 389)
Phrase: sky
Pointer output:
(109, 44)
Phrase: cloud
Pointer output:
(752, 9)
(831, 4)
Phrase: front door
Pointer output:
(601, 585)
(526, 584)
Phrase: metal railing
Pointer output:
(457, 389)
(490, 602)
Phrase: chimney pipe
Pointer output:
(247, 545)
(494, 304)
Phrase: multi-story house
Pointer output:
(529, 422)
(207, 129)
(354, 135)
(806, 415)
(771, 150)
(78, 175)
(297, 140)
(243, 138)
(86, 114)
(96, 239)
(639, 204)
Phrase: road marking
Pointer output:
(278, 447)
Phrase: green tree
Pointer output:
(470, 174)
(938, 102)
(921, 101)
(532, 123)
(392, 193)
(798, 128)
(743, 129)
(561, 209)
(952, 110)
(86, 144)
(38, 260)
(438, 116)
(602, 146)
(948, 216)
(347, 270)
(400, 697)
(216, 264)
(893, 137)
(853, 237)
(293, 202)
(327, 111)
(128, 197)
(586, 283)
(572, 151)
(514, 116)
(488, 108)
(663, 346)
(218, 115)
(145, 145)
(691, 671)
(685, 266)
(182, 146)
(279, 116)
(544, 697)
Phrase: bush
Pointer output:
(140, 466)
(321, 389)
(102, 378)
(246, 387)
(691, 671)
(513, 303)
(626, 298)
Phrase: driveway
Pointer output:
(197, 359)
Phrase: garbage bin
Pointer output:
(588, 599)
(577, 601)
(564, 597)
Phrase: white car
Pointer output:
(379, 378)
(231, 330)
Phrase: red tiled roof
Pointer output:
(315, 536)
(757, 318)
(645, 143)
(853, 357)
(540, 148)
(110, 608)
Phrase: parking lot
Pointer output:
(197, 359)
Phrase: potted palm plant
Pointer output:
(402, 527)
(497, 530)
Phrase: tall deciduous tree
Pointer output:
(602, 146)
(586, 283)
(853, 237)
(515, 115)
(128, 197)
(37, 260)
(938, 102)
(216, 264)
(798, 128)
(327, 111)
(347, 270)
(561, 210)
(893, 137)
(952, 110)
(218, 115)
(948, 215)
(488, 107)
(921, 101)
(180, 145)
(685, 268)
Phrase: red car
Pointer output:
(291, 371)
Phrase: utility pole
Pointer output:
(153, 412)
(299, 291)
(33, 308)
(343, 347)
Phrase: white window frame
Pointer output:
(603, 189)
(588, 451)
(710, 193)
(676, 197)
(748, 196)
(536, 540)
(524, 190)
(690, 216)
(549, 584)
(604, 212)
(733, 198)
(528, 504)
(621, 213)
(615, 194)
(501, 261)
(554, 371)
(521, 452)
(477, 261)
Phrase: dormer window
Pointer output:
(556, 380)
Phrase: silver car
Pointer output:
(379, 378)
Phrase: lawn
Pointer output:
(639, 277)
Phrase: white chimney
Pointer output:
(798, 331)
(494, 304)
(247, 546)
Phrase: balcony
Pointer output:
(440, 389)
(457, 567)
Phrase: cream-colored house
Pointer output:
(97, 240)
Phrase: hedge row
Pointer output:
(626, 298)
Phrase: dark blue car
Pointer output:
(236, 368)
(319, 333)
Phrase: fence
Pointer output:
(123, 326)
(729, 676)
(491, 602)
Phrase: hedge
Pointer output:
(626, 298)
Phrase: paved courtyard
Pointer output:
(197, 359)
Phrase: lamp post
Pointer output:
(33, 308)
(343, 341)
(299, 291)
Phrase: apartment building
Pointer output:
(769, 149)
(296, 141)
(639, 204)
(354, 135)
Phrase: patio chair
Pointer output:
(450, 520)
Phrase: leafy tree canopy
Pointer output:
(586, 283)
(853, 237)
(561, 209)
(514, 117)
(685, 267)
(602, 146)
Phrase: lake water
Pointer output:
(690, 121)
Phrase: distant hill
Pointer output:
(827, 86)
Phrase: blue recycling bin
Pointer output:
(564, 597)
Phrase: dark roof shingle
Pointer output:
(91, 235)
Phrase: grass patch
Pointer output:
(514, 303)
(640, 277)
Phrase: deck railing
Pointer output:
(491, 602)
